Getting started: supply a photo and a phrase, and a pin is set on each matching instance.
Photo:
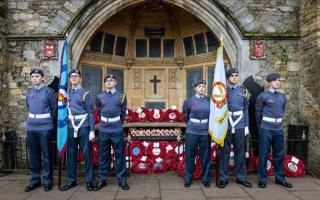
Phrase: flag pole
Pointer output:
(217, 164)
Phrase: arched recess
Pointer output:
(98, 11)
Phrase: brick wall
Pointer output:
(310, 73)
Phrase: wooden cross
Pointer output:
(155, 81)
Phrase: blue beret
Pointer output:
(199, 82)
(231, 71)
(75, 71)
(272, 77)
(37, 71)
(109, 76)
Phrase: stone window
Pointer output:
(92, 79)
(200, 43)
(213, 43)
(121, 46)
(168, 48)
(210, 79)
(154, 47)
(188, 46)
(119, 75)
(96, 41)
(141, 48)
(193, 75)
(108, 43)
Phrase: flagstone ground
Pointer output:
(167, 186)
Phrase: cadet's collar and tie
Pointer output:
(76, 88)
(232, 86)
(38, 87)
(273, 91)
(112, 91)
(198, 96)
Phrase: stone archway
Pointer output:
(94, 14)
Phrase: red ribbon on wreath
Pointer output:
(95, 153)
(178, 150)
(141, 166)
(130, 116)
(213, 151)
(173, 115)
(142, 114)
(197, 171)
(270, 170)
(294, 167)
(156, 115)
(251, 165)
(155, 150)
(158, 165)
(137, 150)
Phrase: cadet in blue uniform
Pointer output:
(238, 129)
(42, 107)
(111, 106)
(196, 110)
(270, 107)
(81, 131)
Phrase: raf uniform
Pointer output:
(42, 104)
(238, 129)
(111, 106)
(81, 128)
(196, 110)
(270, 107)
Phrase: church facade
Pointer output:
(159, 48)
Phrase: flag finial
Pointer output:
(221, 41)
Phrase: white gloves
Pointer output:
(246, 131)
(91, 135)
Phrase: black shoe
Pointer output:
(47, 188)
(68, 186)
(100, 186)
(124, 186)
(284, 183)
(187, 185)
(245, 183)
(207, 185)
(222, 184)
(262, 185)
(31, 187)
(89, 186)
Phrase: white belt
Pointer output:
(234, 123)
(39, 116)
(77, 117)
(199, 121)
(114, 119)
(236, 113)
(273, 120)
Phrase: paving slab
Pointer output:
(182, 195)
(271, 194)
(94, 195)
(14, 196)
(55, 193)
(140, 189)
(307, 195)
(177, 183)
(232, 190)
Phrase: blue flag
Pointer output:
(62, 134)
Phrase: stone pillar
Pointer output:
(309, 79)
(3, 69)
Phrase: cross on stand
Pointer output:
(155, 81)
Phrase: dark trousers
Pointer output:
(268, 138)
(192, 142)
(238, 141)
(40, 142)
(117, 141)
(86, 148)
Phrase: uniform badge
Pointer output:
(270, 101)
(103, 102)
(219, 94)
(31, 97)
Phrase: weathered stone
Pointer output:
(286, 8)
(29, 54)
(22, 5)
(293, 66)
(70, 7)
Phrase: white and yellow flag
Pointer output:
(218, 119)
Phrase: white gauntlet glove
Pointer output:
(246, 131)
(91, 135)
